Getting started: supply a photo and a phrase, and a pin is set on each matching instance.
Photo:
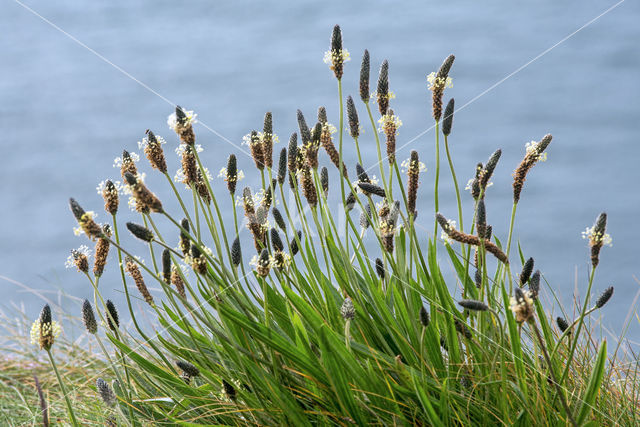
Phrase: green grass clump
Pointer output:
(337, 313)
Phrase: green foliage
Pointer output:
(268, 339)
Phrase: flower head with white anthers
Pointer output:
(389, 122)
(522, 305)
(330, 128)
(43, 334)
(444, 236)
(145, 141)
(90, 215)
(469, 185)
(438, 82)
(223, 174)
(83, 252)
(173, 122)
(332, 57)
(406, 163)
(118, 188)
(532, 150)
(258, 196)
(181, 149)
(596, 238)
(389, 95)
(117, 162)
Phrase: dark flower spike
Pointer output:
(305, 133)
(562, 324)
(478, 278)
(489, 168)
(89, 318)
(372, 188)
(128, 165)
(413, 172)
(380, 270)
(526, 271)
(350, 202)
(487, 233)
(267, 140)
(106, 393)
(324, 180)
(279, 219)
(166, 265)
(257, 152)
(604, 297)
(597, 238)
(292, 154)
(481, 219)
(352, 114)
(140, 232)
(276, 241)
(364, 77)
(180, 114)
(365, 217)
(185, 243)
(337, 53)
(294, 243)
(347, 310)
(474, 305)
(232, 173)
(447, 121)
(188, 368)
(383, 88)
(534, 285)
(322, 115)
(236, 252)
(362, 174)
(424, 317)
(475, 185)
(443, 72)
(112, 316)
(176, 280)
(282, 166)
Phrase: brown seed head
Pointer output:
(155, 154)
(264, 263)
(176, 280)
(189, 167)
(128, 165)
(110, 196)
(101, 251)
(185, 243)
(257, 152)
(530, 159)
(132, 268)
(184, 127)
(145, 199)
(337, 53)
(85, 220)
(413, 172)
(267, 140)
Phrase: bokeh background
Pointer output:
(66, 113)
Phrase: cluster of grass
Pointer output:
(343, 315)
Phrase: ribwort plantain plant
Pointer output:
(312, 323)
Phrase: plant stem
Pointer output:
(64, 391)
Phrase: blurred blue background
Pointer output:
(66, 113)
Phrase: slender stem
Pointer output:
(563, 400)
(437, 178)
(455, 182)
(583, 312)
(64, 390)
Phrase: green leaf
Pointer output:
(590, 394)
